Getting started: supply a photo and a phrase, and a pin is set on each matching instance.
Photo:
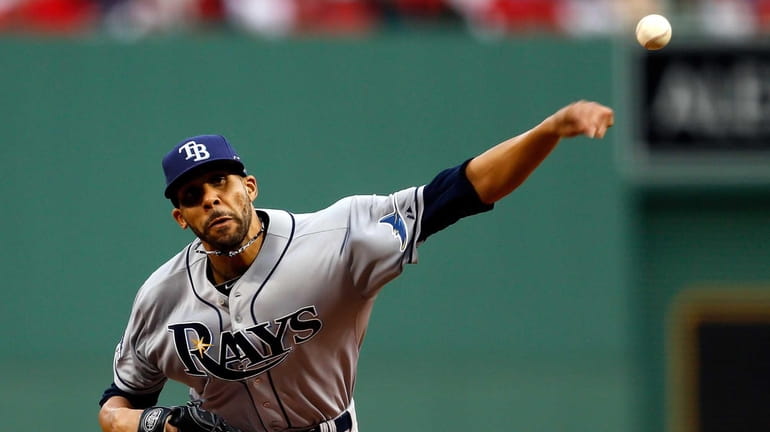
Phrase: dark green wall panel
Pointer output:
(515, 319)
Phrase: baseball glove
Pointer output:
(186, 418)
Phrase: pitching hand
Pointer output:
(581, 118)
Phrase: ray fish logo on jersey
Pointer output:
(397, 224)
(243, 353)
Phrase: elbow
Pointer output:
(105, 417)
(491, 193)
(492, 185)
(116, 414)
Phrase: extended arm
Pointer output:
(474, 186)
(501, 169)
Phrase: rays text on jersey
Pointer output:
(245, 353)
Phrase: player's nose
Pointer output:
(210, 196)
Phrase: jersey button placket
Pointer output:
(234, 306)
(268, 407)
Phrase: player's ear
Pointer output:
(250, 183)
(177, 215)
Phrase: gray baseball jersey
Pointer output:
(281, 351)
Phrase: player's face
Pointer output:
(217, 207)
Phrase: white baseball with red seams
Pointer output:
(653, 32)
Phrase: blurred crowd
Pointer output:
(131, 19)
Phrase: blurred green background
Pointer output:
(548, 313)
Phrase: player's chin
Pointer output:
(225, 241)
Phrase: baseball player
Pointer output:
(262, 316)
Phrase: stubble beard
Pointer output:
(229, 240)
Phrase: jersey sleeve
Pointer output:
(382, 236)
(132, 371)
(449, 197)
(136, 401)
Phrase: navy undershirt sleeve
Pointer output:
(137, 401)
(449, 197)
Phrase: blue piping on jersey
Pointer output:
(280, 258)
(254, 300)
(248, 392)
(418, 223)
(192, 286)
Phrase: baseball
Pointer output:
(653, 32)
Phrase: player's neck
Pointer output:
(227, 268)
(224, 267)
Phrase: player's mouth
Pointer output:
(220, 221)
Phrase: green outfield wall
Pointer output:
(536, 316)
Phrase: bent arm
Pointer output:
(501, 169)
(118, 415)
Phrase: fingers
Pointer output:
(604, 123)
(599, 133)
(586, 118)
(593, 119)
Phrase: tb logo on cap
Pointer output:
(193, 149)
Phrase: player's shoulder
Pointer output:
(334, 216)
(328, 218)
(349, 209)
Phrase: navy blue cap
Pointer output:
(195, 152)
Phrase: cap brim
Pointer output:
(233, 166)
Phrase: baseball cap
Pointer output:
(190, 155)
